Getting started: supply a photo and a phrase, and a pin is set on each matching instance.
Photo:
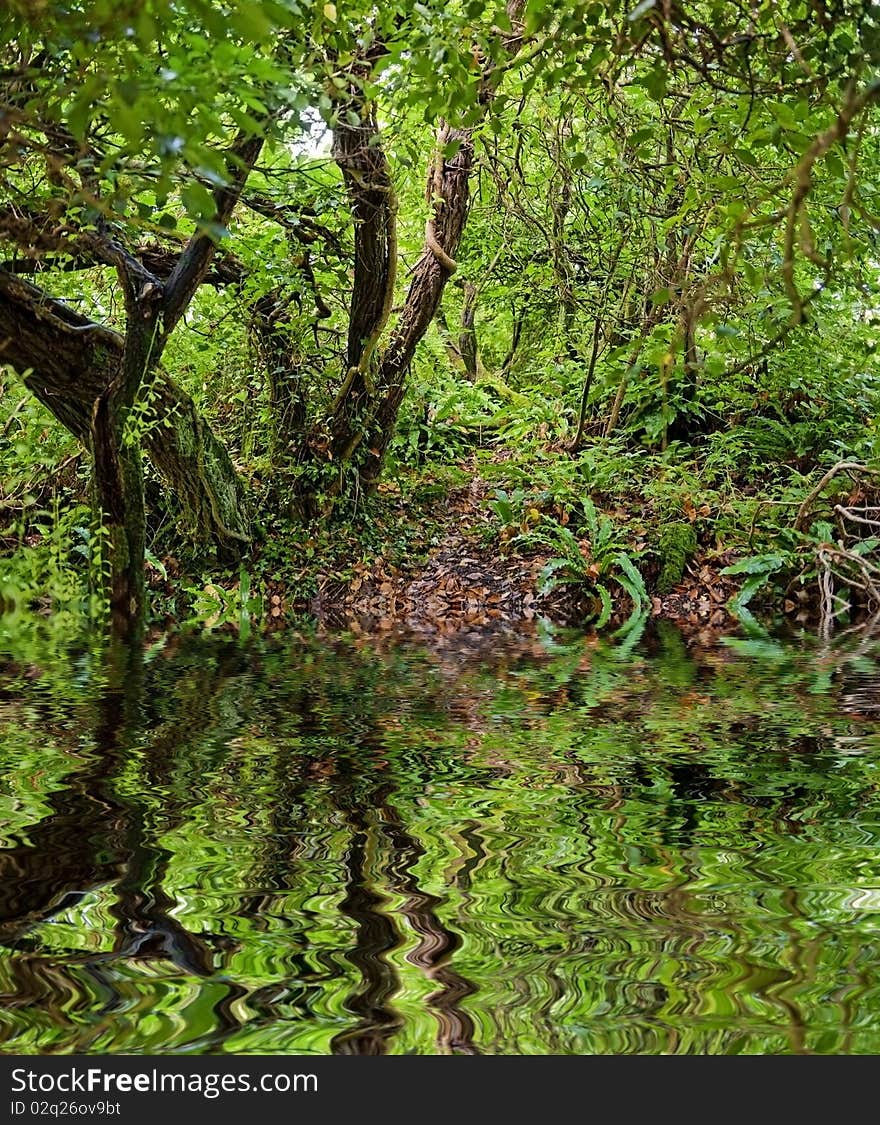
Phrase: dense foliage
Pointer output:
(625, 253)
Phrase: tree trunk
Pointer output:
(467, 337)
(447, 192)
(68, 363)
(117, 422)
(119, 501)
(453, 353)
(365, 412)
(287, 399)
(448, 189)
(364, 166)
(116, 434)
(690, 355)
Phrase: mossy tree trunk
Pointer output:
(284, 380)
(153, 307)
(116, 447)
(467, 336)
(364, 414)
(68, 362)
(448, 191)
(358, 152)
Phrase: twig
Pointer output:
(849, 514)
(840, 467)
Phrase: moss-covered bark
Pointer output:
(676, 547)
(68, 363)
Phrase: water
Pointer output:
(487, 845)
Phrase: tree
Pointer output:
(94, 143)
(100, 147)
(153, 141)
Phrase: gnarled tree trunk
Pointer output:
(448, 195)
(68, 362)
(284, 378)
(153, 307)
(364, 166)
(448, 191)
(467, 337)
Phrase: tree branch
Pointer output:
(193, 264)
(68, 362)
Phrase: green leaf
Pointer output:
(157, 564)
(631, 580)
(590, 517)
(605, 615)
(84, 106)
(251, 21)
(747, 157)
(654, 82)
(784, 115)
(756, 564)
(835, 165)
(198, 201)
(747, 591)
(866, 546)
(548, 579)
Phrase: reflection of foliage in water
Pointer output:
(332, 845)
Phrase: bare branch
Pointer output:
(193, 264)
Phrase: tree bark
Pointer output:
(448, 192)
(364, 166)
(115, 440)
(68, 362)
(153, 308)
(448, 195)
(519, 316)
(467, 337)
(453, 351)
(284, 377)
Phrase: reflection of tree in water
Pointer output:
(104, 829)
(372, 816)
(101, 831)
(359, 784)
(352, 740)
(668, 806)
(345, 704)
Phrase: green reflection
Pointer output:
(488, 845)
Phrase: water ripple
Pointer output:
(328, 846)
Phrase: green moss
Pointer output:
(678, 541)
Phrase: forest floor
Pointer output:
(468, 576)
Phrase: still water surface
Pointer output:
(492, 845)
